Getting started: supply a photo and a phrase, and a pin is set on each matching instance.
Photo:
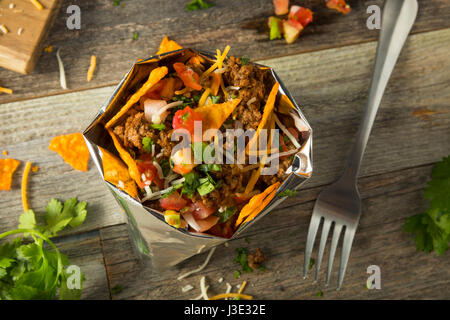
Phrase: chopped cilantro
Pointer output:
(116, 289)
(165, 166)
(320, 294)
(287, 193)
(241, 258)
(237, 274)
(197, 97)
(226, 214)
(262, 268)
(135, 35)
(116, 2)
(247, 239)
(198, 5)
(244, 60)
(165, 195)
(205, 187)
(147, 144)
(214, 99)
(191, 183)
(311, 263)
(209, 167)
(159, 126)
(432, 227)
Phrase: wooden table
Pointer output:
(328, 72)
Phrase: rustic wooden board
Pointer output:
(380, 240)
(238, 23)
(20, 52)
(399, 139)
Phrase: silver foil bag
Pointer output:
(152, 237)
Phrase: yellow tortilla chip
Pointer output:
(127, 158)
(7, 169)
(268, 108)
(72, 148)
(257, 203)
(214, 115)
(285, 105)
(116, 172)
(155, 76)
(168, 45)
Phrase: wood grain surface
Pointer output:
(328, 77)
(107, 32)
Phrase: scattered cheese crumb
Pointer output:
(6, 90)
(4, 29)
(20, 31)
(48, 48)
(204, 289)
(226, 244)
(220, 280)
(187, 288)
(199, 268)
(11, 5)
(5, 153)
(37, 4)
(24, 185)
(91, 70)
(62, 73)
(35, 169)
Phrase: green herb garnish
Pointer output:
(191, 183)
(241, 258)
(158, 126)
(432, 227)
(226, 214)
(116, 289)
(135, 35)
(197, 98)
(237, 274)
(320, 294)
(311, 263)
(29, 270)
(147, 144)
(205, 187)
(244, 60)
(209, 167)
(287, 193)
(214, 99)
(165, 166)
(198, 5)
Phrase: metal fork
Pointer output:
(339, 205)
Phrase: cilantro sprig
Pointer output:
(198, 5)
(28, 269)
(432, 227)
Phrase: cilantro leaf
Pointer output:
(241, 258)
(432, 227)
(287, 193)
(147, 144)
(198, 5)
(244, 60)
(27, 220)
(226, 214)
(158, 126)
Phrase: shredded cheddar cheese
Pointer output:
(37, 4)
(26, 173)
(5, 153)
(242, 287)
(203, 98)
(4, 29)
(6, 90)
(92, 66)
(35, 169)
(231, 295)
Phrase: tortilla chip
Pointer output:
(127, 158)
(72, 148)
(214, 115)
(155, 76)
(257, 203)
(285, 105)
(168, 45)
(7, 169)
(116, 172)
(268, 108)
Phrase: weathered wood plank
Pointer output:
(399, 140)
(107, 32)
(380, 240)
(85, 251)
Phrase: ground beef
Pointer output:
(250, 81)
(281, 174)
(255, 259)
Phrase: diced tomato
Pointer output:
(146, 167)
(200, 211)
(339, 5)
(281, 6)
(303, 15)
(189, 77)
(173, 202)
(184, 119)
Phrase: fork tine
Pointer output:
(313, 226)
(334, 242)
(323, 242)
(346, 247)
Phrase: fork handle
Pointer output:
(397, 21)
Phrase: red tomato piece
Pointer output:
(189, 77)
(184, 119)
(146, 167)
(303, 15)
(173, 202)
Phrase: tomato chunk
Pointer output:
(303, 15)
(184, 119)
(173, 202)
(189, 77)
(147, 168)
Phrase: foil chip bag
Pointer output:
(196, 147)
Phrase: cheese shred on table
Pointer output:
(231, 295)
(92, 66)
(26, 173)
(37, 4)
(6, 90)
